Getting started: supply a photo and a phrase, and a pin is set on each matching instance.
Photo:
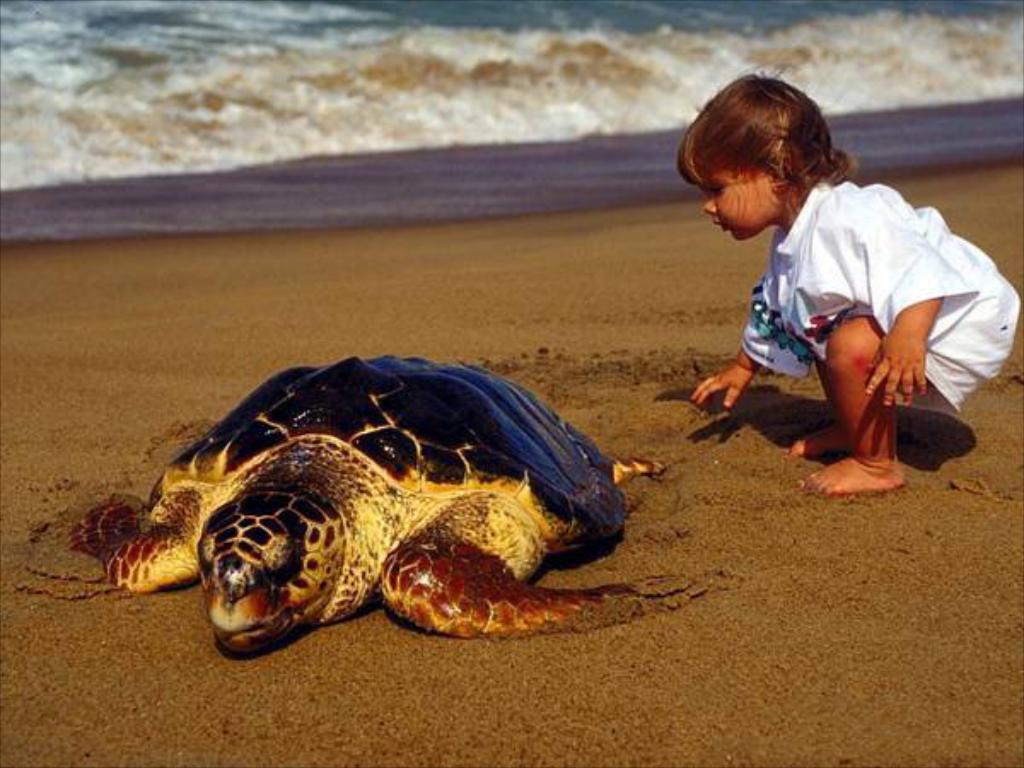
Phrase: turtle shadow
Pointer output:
(291, 638)
(572, 559)
(926, 439)
(252, 655)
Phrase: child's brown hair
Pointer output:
(759, 122)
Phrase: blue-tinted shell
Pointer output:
(447, 425)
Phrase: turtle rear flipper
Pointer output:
(136, 560)
(625, 469)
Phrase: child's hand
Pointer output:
(899, 362)
(733, 380)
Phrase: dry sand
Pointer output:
(881, 630)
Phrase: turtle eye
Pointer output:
(281, 553)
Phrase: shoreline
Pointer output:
(473, 182)
(685, 207)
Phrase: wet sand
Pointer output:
(472, 182)
(880, 630)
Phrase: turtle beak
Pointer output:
(243, 606)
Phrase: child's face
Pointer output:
(744, 203)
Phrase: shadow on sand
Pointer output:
(926, 439)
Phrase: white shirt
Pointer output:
(865, 251)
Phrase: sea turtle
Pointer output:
(439, 488)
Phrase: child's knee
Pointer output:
(853, 345)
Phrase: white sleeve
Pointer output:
(907, 263)
(766, 342)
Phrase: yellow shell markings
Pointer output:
(262, 419)
(419, 483)
(518, 489)
(217, 471)
(375, 399)
(217, 477)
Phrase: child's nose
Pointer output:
(709, 207)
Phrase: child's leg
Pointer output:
(831, 439)
(867, 424)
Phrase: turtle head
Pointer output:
(262, 572)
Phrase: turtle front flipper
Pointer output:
(464, 573)
(139, 561)
(455, 588)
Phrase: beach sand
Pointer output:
(878, 630)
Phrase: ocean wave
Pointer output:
(138, 108)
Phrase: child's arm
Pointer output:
(733, 380)
(900, 359)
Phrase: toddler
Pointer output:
(881, 297)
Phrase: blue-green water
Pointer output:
(637, 16)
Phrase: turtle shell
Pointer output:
(430, 426)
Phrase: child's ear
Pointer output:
(786, 191)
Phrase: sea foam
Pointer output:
(162, 105)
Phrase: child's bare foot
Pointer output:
(832, 439)
(853, 475)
